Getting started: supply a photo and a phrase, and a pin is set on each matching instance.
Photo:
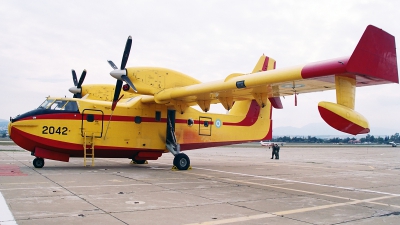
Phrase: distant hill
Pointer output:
(4, 122)
(322, 129)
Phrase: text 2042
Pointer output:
(54, 130)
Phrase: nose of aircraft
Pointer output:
(9, 129)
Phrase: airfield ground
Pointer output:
(227, 185)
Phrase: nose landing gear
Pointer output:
(38, 162)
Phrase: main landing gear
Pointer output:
(181, 161)
(38, 162)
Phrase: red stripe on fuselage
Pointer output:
(114, 118)
(30, 142)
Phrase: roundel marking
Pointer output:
(218, 123)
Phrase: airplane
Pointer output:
(393, 144)
(269, 143)
(153, 114)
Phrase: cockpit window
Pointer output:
(46, 103)
(53, 104)
(71, 106)
(58, 105)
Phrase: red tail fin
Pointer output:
(375, 55)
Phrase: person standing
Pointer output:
(273, 150)
(277, 148)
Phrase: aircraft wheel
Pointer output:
(181, 161)
(38, 162)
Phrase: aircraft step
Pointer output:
(88, 148)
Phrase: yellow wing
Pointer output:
(373, 62)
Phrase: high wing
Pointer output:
(372, 62)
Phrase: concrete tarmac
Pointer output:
(227, 185)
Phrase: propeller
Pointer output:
(77, 89)
(120, 74)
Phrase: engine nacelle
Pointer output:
(343, 118)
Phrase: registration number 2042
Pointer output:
(54, 130)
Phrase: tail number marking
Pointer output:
(54, 130)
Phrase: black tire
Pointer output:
(38, 162)
(182, 161)
(139, 161)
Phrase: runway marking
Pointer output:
(278, 186)
(300, 182)
(287, 212)
(25, 183)
(6, 217)
(94, 186)
(286, 180)
(288, 189)
(11, 170)
(290, 181)
(88, 186)
(294, 181)
(237, 219)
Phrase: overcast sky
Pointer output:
(41, 41)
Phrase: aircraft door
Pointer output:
(205, 126)
(92, 123)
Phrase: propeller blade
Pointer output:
(118, 87)
(129, 82)
(74, 78)
(112, 64)
(126, 52)
(81, 79)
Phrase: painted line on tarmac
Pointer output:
(294, 181)
(279, 186)
(86, 186)
(290, 181)
(6, 217)
(287, 212)
(301, 182)
(313, 193)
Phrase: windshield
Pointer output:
(71, 106)
(46, 104)
(53, 104)
(58, 105)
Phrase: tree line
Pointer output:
(367, 139)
